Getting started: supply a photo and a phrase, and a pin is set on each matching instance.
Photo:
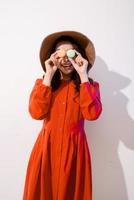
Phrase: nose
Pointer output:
(65, 58)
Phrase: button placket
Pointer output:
(63, 102)
(61, 115)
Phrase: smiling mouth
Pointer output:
(67, 64)
(67, 67)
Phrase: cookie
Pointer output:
(61, 53)
(70, 53)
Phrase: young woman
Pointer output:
(59, 167)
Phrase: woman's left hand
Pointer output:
(79, 63)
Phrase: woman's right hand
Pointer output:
(52, 64)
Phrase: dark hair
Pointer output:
(75, 76)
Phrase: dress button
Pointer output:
(63, 102)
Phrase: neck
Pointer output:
(65, 77)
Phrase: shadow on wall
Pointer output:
(104, 135)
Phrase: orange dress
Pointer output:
(59, 166)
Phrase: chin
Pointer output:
(67, 72)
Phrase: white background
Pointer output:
(110, 25)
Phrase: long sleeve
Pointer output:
(39, 100)
(90, 100)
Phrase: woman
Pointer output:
(59, 167)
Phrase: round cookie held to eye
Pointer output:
(70, 53)
(61, 53)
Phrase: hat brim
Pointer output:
(82, 39)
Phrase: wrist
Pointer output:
(84, 77)
(47, 79)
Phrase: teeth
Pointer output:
(67, 66)
(68, 63)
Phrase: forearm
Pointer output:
(47, 79)
(39, 101)
(90, 100)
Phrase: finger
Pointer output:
(54, 53)
(78, 53)
(50, 62)
(78, 58)
(72, 61)
(56, 61)
(53, 60)
(55, 56)
(80, 63)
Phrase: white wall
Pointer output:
(109, 24)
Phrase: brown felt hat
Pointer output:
(80, 38)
